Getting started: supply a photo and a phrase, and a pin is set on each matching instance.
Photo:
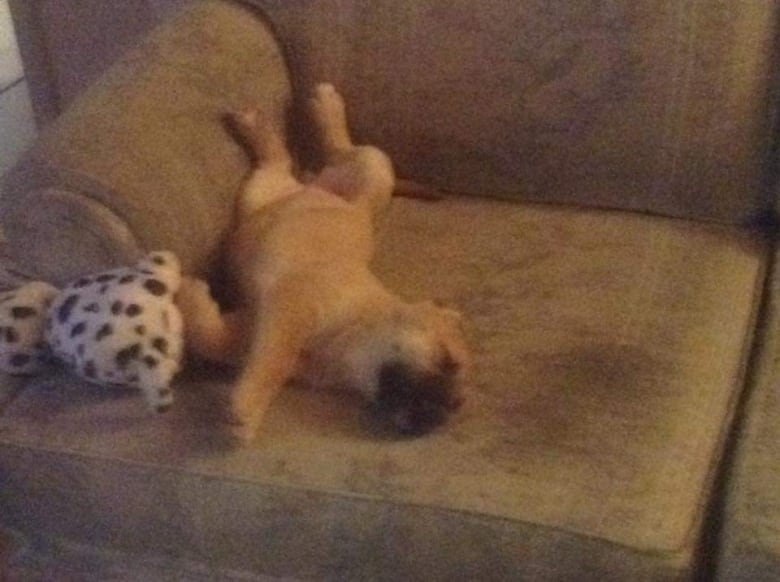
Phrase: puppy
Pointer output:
(310, 309)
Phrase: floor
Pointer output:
(17, 127)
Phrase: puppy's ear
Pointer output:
(445, 310)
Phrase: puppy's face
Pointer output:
(412, 367)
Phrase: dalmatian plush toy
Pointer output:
(119, 327)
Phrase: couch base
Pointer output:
(68, 561)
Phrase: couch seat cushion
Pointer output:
(610, 350)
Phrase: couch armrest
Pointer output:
(142, 160)
(57, 235)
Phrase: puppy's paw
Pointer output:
(329, 112)
(258, 133)
(327, 104)
(244, 417)
(246, 120)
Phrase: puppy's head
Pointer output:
(412, 365)
(415, 401)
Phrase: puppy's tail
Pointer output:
(411, 189)
(403, 188)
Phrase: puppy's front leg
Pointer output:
(208, 332)
(287, 321)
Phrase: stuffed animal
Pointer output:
(119, 327)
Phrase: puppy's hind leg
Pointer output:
(362, 175)
(329, 114)
(272, 177)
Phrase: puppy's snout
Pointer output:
(416, 402)
(448, 365)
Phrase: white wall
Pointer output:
(17, 127)
(10, 64)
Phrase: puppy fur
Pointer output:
(310, 309)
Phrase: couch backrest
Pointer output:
(655, 105)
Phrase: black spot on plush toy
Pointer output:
(119, 327)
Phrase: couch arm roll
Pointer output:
(142, 159)
(56, 235)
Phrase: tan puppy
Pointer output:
(310, 308)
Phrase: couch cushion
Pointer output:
(643, 104)
(750, 543)
(610, 350)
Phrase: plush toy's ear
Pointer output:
(23, 312)
(166, 267)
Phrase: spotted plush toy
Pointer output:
(119, 327)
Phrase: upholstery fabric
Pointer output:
(651, 104)
(145, 146)
(750, 544)
(67, 44)
(103, 30)
(610, 346)
(609, 355)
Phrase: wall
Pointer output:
(17, 129)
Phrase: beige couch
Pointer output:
(610, 236)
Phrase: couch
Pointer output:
(608, 230)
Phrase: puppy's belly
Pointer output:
(312, 197)
(312, 233)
